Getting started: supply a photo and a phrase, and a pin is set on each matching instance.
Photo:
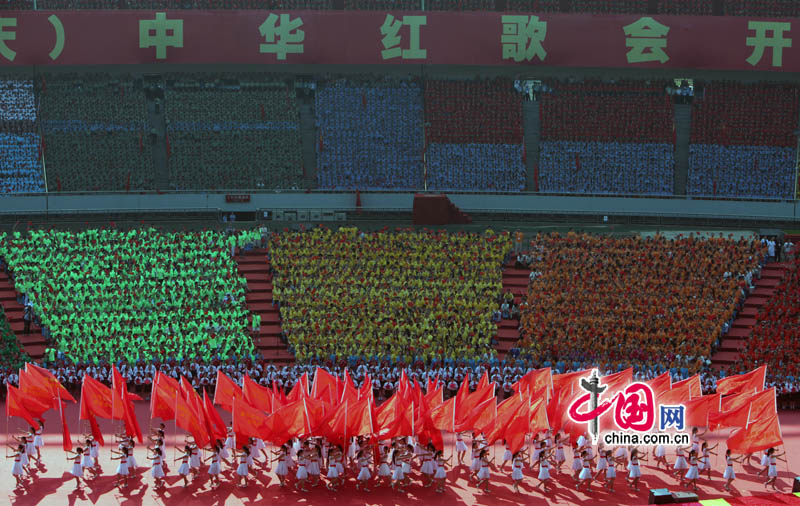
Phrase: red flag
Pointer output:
(570, 379)
(516, 428)
(385, 413)
(286, 423)
(535, 381)
(17, 406)
(187, 419)
(463, 390)
(255, 395)
(753, 407)
(743, 382)
(299, 390)
(467, 405)
(95, 402)
(365, 390)
(484, 381)
(35, 387)
(55, 386)
(66, 439)
(660, 384)
(695, 388)
(761, 434)
(506, 412)
(698, 410)
(226, 391)
(322, 380)
(248, 422)
(359, 418)
(123, 406)
(162, 398)
(482, 416)
(443, 417)
(214, 422)
(675, 396)
(537, 416)
(95, 398)
(434, 398)
(617, 381)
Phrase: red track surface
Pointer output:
(53, 485)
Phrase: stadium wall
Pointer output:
(56, 204)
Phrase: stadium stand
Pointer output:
(742, 140)
(583, 286)
(609, 6)
(775, 340)
(474, 135)
(20, 165)
(11, 356)
(370, 135)
(403, 296)
(533, 5)
(104, 294)
(94, 127)
(686, 7)
(607, 138)
(770, 8)
(232, 132)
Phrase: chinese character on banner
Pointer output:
(761, 41)
(647, 39)
(522, 38)
(283, 37)
(8, 53)
(392, 40)
(672, 417)
(160, 33)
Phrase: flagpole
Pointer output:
(175, 430)
(61, 414)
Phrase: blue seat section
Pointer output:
(20, 167)
(370, 136)
(606, 167)
(741, 171)
(476, 167)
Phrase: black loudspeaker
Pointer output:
(682, 497)
(796, 485)
(660, 496)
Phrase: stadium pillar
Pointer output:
(683, 125)
(530, 138)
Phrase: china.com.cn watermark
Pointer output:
(623, 438)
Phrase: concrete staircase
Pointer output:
(531, 137)
(515, 280)
(34, 343)
(742, 328)
(255, 267)
(683, 128)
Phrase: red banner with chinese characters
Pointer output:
(372, 37)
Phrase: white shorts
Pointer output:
(544, 473)
(302, 473)
(516, 474)
(692, 473)
(242, 470)
(680, 463)
(460, 446)
(440, 473)
(729, 474)
(333, 472)
(364, 475)
(483, 474)
(634, 472)
(586, 473)
(384, 470)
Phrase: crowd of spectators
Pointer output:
(776, 336)
(132, 295)
(763, 8)
(686, 7)
(232, 132)
(95, 128)
(370, 135)
(402, 295)
(607, 137)
(742, 140)
(609, 6)
(594, 167)
(20, 165)
(11, 356)
(476, 167)
(653, 303)
(473, 135)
